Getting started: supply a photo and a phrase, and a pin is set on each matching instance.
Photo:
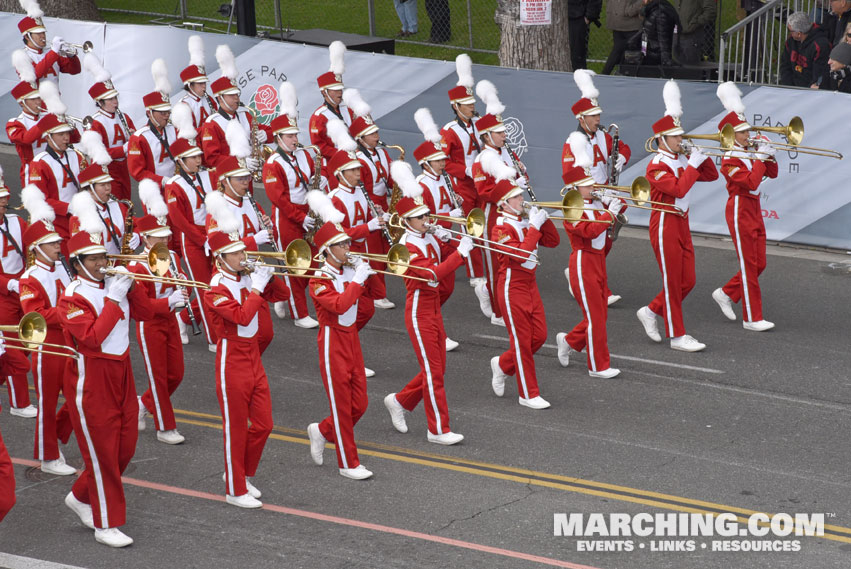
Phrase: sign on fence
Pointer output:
(536, 12)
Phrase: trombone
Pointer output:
(158, 260)
(572, 206)
(794, 133)
(726, 138)
(639, 194)
(297, 261)
(32, 330)
(397, 260)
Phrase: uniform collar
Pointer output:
(90, 283)
(332, 270)
(510, 215)
(235, 201)
(34, 49)
(346, 188)
(29, 114)
(107, 114)
(193, 96)
(429, 174)
(667, 154)
(229, 275)
(420, 234)
(41, 264)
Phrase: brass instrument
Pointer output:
(570, 206)
(639, 193)
(128, 226)
(86, 121)
(155, 279)
(259, 152)
(794, 133)
(726, 138)
(159, 262)
(70, 49)
(394, 147)
(297, 261)
(397, 260)
(32, 331)
(314, 185)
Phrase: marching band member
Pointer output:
(114, 127)
(288, 175)
(148, 154)
(159, 337)
(214, 140)
(55, 170)
(53, 61)
(340, 355)
(40, 288)
(517, 288)
(194, 78)
(7, 471)
(422, 311)
(23, 130)
(234, 302)
(587, 267)
(599, 145)
(185, 194)
(12, 265)
(744, 172)
(462, 146)
(331, 88)
(671, 177)
(96, 310)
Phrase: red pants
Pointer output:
(527, 328)
(243, 392)
(744, 218)
(104, 414)
(199, 268)
(7, 481)
(671, 240)
(341, 366)
(425, 329)
(608, 249)
(120, 179)
(51, 426)
(474, 261)
(492, 263)
(11, 313)
(162, 351)
(588, 282)
(297, 301)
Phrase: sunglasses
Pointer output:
(421, 216)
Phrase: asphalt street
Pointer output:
(758, 422)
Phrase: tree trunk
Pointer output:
(533, 47)
(70, 9)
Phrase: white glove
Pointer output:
(178, 299)
(56, 44)
(261, 136)
(323, 183)
(308, 223)
(606, 198)
(261, 237)
(766, 149)
(465, 246)
(696, 159)
(362, 272)
(620, 163)
(616, 206)
(537, 218)
(253, 164)
(119, 285)
(12, 285)
(134, 242)
(457, 212)
(385, 216)
(468, 171)
(2, 347)
(260, 277)
(125, 147)
(442, 234)
(522, 182)
(373, 224)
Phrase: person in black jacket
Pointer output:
(580, 14)
(803, 62)
(839, 78)
(660, 19)
(836, 23)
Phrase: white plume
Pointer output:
(289, 99)
(96, 68)
(181, 118)
(225, 219)
(91, 144)
(671, 96)
(493, 165)
(731, 97)
(83, 207)
(425, 122)
(32, 8)
(149, 193)
(337, 54)
(403, 175)
(23, 65)
(464, 68)
(196, 50)
(338, 132)
(36, 205)
(584, 79)
(160, 74)
(322, 206)
(352, 98)
(227, 62)
(237, 139)
(578, 143)
(487, 92)
(49, 93)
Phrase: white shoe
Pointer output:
(306, 322)
(27, 412)
(498, 377)
(481, 291)
(447, 439)
(244, 501)
(359, 473)
(184, 337)
(397, 413)
(143, 412)
(83, 511)
(567, 276)
(450, 344)
(534, 403)
(497, 321)
(724, 302)
(252, 489)
(171, 437)
(317, 443)
(368, 372)
(385, 303)
(58, 467)
(758, 326)
(113, 537)
(648, 319)
(564, 349)
(211, 348)
(613, 298)
(686, 344)
(606, 373)
(280, 309)
(474, 282)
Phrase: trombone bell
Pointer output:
(32, 329)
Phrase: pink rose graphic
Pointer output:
(266, 100)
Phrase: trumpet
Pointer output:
(572, 206)
(85, 121)
(70, 49)
(794, 133)
(297, 261)
(32, 331)
(639, 193)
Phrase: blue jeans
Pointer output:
(407, 12)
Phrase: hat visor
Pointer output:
(591, 112)
(231, 247)
(31, 95)
(158, 232)
(228, 91)
(287, 130)
(589, 181)
(36, 30)
(742, 127)
(496, 128)
(350, 165)
(108, 95)
(49, 238)
(436, 156)
(4, 192)
(193, 151)
(512, 193)
(160, 107)
(99, 180)
(236, 173)
(676, 131)
(334, 87)
(337, 238)
(89, 250)
(368, 130)
(464, 101)
(417, 211)
(197, 79)
(62, 127)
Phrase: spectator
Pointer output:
(660, 19)
(847, 38)
(836, 23)
(820, 11)
(803, 62)
(694, 16)
(839, 78)
(407, 12)
(622, 18)
(438, 13)
(580, 14)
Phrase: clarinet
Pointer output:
(66, 266)
(196, 330)
(621, 219)
(516, 161)
(124, 122)
(374, 210)
(263, 225)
